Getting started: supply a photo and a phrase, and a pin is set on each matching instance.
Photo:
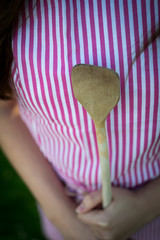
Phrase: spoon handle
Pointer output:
(104, 163)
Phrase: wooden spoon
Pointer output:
(98, 90)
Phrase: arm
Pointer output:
(26, 158)
(128, 212)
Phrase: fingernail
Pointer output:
(103, 224)
(80, 208)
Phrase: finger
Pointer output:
(94, 218)
(90, 201)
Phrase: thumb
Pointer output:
(90, 201)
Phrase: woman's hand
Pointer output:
(122, 218)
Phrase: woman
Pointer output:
(48, 39)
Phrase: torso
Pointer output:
(56, 36)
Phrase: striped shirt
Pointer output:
(54, 36)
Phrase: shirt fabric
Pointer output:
(53, 36)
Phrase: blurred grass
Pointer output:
(19, 218)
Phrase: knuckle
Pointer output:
(105, 224)
(88, 199)
(109, 238)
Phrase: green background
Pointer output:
(19, 219)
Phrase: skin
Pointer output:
(23, 153)
(128, 212)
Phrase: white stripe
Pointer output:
(158, 63)
(112, 124)
(126, 92)
(139, 175)
(127, 100)
(156, 14)
(80, 31)
(68, 88)
(88, 26)
(72, 33)
(151, 72)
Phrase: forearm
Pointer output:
(26, 158)
(149, 199)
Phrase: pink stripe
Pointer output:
(147, 112)
(93, 34)
(61, 105)
(110, 32)
(139, 84)
(130, 79)
(97, 163)
(101, 32)
(122, 79)
(84, 32)
(110, 50)
(131, 114)
(116, 114)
